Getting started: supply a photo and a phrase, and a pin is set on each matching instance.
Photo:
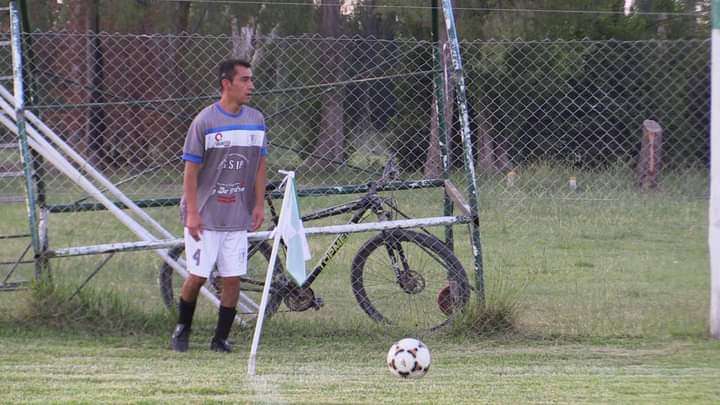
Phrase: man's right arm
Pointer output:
(192, 217)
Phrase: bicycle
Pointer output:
(400, 291)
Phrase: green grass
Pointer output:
(50, 366)
(65, 307)
(606, 291)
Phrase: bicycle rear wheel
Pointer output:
(409, 280)
(251, 284)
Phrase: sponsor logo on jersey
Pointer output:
(226, 199)
(228, 189)
(233, 161)
(220, 143)
(233, 135)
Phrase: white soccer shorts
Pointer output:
(226, 249)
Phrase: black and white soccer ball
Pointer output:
(409, 358)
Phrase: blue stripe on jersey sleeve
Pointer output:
(192, 158)
(263, 151)
(246, 127)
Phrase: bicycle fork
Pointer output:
(410, 281)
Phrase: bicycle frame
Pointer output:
(360, 209)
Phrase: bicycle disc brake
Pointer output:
(301, 299)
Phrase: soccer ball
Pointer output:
(409, 358)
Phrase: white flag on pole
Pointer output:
(292, 231)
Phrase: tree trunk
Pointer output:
(182, 17)
(247, 42)
(96, 114)
(329, 149)
(485, 149)
(432, 168)
(502, 160)
(63, 60)
(259, 54)
(242, 39)
(492, 150)
(178, 46)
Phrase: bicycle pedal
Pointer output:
(318, 302)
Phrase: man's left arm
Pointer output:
(258, 213)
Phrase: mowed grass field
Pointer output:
(612, 298)
(50, 367)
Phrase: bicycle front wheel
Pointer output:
(409, 280)
(251, 284)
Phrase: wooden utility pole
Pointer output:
(649, 163)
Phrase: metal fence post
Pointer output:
(443, 133)
(714, 228)
(467, 146)
(27, 160)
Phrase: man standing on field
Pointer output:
(223, 190)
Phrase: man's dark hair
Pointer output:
(226, 69)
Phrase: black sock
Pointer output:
(226, 316)
(186, 310)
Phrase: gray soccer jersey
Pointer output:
(229, 147)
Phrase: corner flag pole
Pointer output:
(268, 279)
(263, 305)
(714, 228)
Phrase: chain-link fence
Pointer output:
(336, 107)
(557, 128)
(579, 107)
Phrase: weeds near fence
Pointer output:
(498, 314)
(94, 311)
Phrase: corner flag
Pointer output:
(292, 232)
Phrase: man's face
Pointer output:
(241, 87)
